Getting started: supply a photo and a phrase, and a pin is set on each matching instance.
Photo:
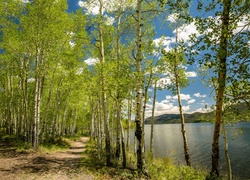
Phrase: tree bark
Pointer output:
(183, 130)
(37, 98)
(178, 89)
(118, 114)
(229, 169)
(153, 119)
(124, 158)
(139, 93)
(93, 130)
(104, 98)
(222, 56)
(128, 122)
(118, 129)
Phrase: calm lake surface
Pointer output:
(168, 142)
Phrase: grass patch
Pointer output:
(49, 145)
(158, 169)
(56, 144)
(91, 164)
(73, 138)
(164, 168)
(14, 141)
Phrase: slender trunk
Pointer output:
(63, 127)
(153, 119)
(118, 130)
(8, 105)
(145, 102)
(36, 101)
(26, 100)
(183, 130)
(118, 113)
(222, 56)
(99, 127)
(74, 131)
(112, 116)
(92, 135)
(139, 93)
(39, 109)
(129, 120)
(12, 109)
(135, 145)
(104, 98)
(57, 108)
(34, 141)
(146, 92)
(229, 169)
(43, 128)
(124, 158)
(178, 89)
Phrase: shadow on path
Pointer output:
(13, 162)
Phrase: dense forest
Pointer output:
(47, 90)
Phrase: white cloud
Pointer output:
(191, 74)
(199, 95)
(25, 1)
(165, 108)
(109, 20)
(170, 106)
(162, 106)
(200, 110)
(184, 97)
(165, 42)
(191, 101)
(172, 17)
(242, 25)
(183, 34)
(92, 7)
(203, 103)
(91, 61)
(165, 101)
(188, 29)
(163, 82)
(185, 31)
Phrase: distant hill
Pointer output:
(175, 118)
(241, 110)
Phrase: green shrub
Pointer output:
(9, 138)
(55, 144)
(164, 168)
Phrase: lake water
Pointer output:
(168, 142)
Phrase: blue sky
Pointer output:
(194, 97)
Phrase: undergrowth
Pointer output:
(164, 168)
(157, 169)
(55, 144)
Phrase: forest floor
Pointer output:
(26, 165)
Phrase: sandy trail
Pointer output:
(64, 165)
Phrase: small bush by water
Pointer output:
(158, 169)
(164, 168)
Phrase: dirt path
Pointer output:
(64, 165)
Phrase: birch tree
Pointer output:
(139, 90)
(38, 41)
(226, 61)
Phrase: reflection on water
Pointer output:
(168, 142)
